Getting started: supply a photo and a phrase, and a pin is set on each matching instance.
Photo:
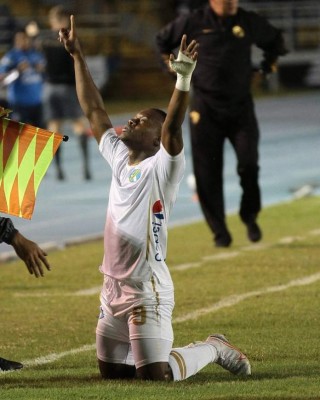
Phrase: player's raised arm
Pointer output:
(171, 136)
(89, 96)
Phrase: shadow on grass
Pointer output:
(16, 380)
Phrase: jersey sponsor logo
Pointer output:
(135, 175)
(157, 212)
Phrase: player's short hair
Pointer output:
(160, 113)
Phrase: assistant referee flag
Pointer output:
(25, 155)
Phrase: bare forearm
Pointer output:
(89, 97)
(172, 128)
(176, 110)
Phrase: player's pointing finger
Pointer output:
(183, 44)
(72, 23)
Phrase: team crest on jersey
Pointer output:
(135, 175)
(157, 210)
(113, 139)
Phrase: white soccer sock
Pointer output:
(187, 361)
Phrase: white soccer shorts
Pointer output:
(140, 337)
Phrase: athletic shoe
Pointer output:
(6, 365)
(229, 357)
(254, 232)
(223, 239)
(60, 175)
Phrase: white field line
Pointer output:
(88, 292)
(223, 303)
(232, 254)
(56, 356)
(288, 240)
(315, 232)
(235, 299)
(221, 256)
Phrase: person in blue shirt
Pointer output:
(22, 69)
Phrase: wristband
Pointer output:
(183, 83)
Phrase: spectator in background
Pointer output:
(7, 29)
(34, 258)
(22, 68)
(60, 100)
(222, 104)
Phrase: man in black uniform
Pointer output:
(222, 105)
(33, 257)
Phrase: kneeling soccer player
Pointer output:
(134, 332)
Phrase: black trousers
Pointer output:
(27, 114)
(210, 128)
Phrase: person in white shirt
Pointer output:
(134, 333)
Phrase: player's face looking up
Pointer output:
(143, 130)
(137, 120)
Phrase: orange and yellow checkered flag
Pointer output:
(25, 155)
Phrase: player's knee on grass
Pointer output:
(155, 372)
(116, 371)
(159, 371)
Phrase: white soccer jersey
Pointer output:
(141, 198)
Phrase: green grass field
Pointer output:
(265, 298)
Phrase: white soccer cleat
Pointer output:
(229, 357)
